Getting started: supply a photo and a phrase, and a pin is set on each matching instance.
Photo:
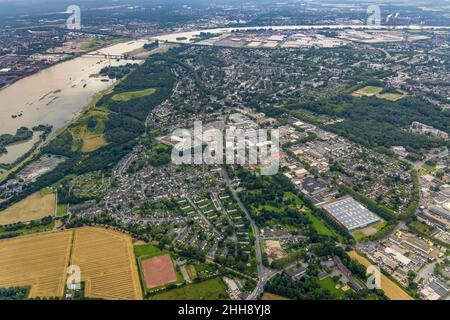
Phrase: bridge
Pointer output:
(95, 54)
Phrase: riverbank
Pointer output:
(83, 112)
(70, 57)
(57, 95)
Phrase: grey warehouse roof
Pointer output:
(350, 213)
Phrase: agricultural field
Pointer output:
(370, 91)
(158, 271)
(37, 261)
(107, 264)
(390, 288)
(130, 95)
(40, 261)
(212, 289)
(34, 207)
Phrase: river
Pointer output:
(56, 95)
(188, 36)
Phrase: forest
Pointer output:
(375, 122)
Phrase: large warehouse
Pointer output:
(350, 213)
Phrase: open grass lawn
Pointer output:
(328, 283)
(147, 251)
(319, 225)
(428, 167)
(376, 91)
(290, 196)
(420, 227)
(269, 207)
(45, 192)
(371, 90)
(30, 230)
(61, 210)
(130, 95)
(358, 236)
(212, 289)
(191, 271)
(99, 43)
(34, 207)
(88, 131)
(92, 143)
(391, 96)
(361, 234)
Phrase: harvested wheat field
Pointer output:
(158, 271)
(34, 207)
(107, 263)
(39, 261)
(390, 288)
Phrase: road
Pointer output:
(418, 165)
(264, 274)
(428, 270)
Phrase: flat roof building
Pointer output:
(350, 213)
(440, 211)
(313, 186)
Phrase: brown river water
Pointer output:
(56, 95)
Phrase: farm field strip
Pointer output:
(38, 261)
(33, 207)
(107, 264)
(106, 260)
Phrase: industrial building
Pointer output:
(350, 213)
(439, 211)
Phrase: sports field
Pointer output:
(34, 207)
(212, 289)
(390, 288)
(147, 251)
(107, 264)
(39, 261)
(158, 271)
